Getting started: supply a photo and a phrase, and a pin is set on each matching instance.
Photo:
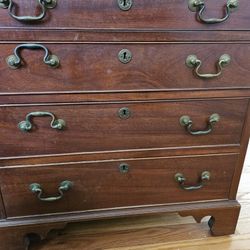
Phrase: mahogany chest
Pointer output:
(112, 108)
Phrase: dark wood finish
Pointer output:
(2, 208)
(171, 152)
(121, 96)
(222, 222)
(151, 232)
(95, 67)
(116, 213)
(87, 91)
(93, 128)
(102, 185)
(113, 35)
(146, 14)
(45, 223)
(243, 150)
(19, 238)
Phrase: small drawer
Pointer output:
(126, 14)
(29, 130)
(53, 68)
(99, 185)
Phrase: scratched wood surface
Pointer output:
(143, 15)
(88, 125)
(95, 67)
(155, 232)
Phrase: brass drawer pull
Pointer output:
(205, 176)
(186, 122)
(125, 4)
(26, 125)
(199, 7)
(192, 61)
(15, 61)
(37, 189)
(43, 4)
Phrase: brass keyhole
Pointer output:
(125, 56)
(124, 113)
(125, 4)
(124, 168)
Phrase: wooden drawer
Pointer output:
(117, 126)
(144, 14)
(99, 185)
(96, 67)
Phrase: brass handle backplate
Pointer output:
(186, 122)
(199, 7)
(26, 125)
(43, 4)
(205, 176)
(14, 61)
(37, 189)
(192, 61)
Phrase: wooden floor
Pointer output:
(155, 232)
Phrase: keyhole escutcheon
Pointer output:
(125, 4)
(124, 113)
(125, 56)
(124, 168)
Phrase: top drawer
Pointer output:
(127, 14)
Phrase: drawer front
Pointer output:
(120, 126)
(144, 14)
(96, 67)
(110, 184)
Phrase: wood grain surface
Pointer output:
(121, 96)
(155, 232)
(95, 67)
(99, 128)
(146, 14)
(87, 90)
(102, 185)
(113, 35)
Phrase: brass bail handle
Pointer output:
(199, 7)
(186, 122)
(192, 61)
(15, 61)
(43, 4)
(37, 189)
(180, 178)
(26, 125)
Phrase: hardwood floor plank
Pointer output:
(241, 242)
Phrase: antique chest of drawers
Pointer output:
(112, 108)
